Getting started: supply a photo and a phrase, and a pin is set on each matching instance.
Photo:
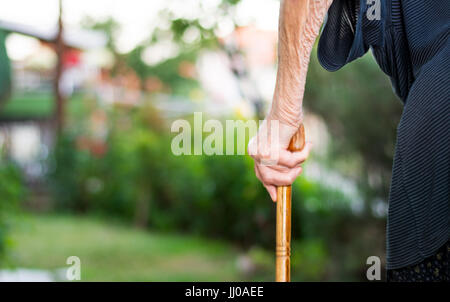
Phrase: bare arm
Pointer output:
(299, 25)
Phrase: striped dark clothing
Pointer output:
(409, 40)
(435, 268)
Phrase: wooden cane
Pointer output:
(283, 232)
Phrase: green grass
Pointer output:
(112, 252)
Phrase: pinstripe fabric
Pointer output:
(410, 44)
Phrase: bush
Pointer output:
(136, 177)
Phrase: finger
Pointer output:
(279, 168)
(271, 189)
(294, 159)
(258, 175)
(270, 176)
(272, 192)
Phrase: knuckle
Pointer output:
(292, 162)
(291, 178)
(285, 160)
(263, 174)
(301, 158)
(269, 178)
(307, 151)
(264, 153)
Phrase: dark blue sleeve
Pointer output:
(348, 33)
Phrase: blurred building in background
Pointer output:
(26, 113)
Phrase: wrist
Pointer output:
(291, 117)
(286, 128)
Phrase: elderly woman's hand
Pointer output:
(274, 164)
(299, 25)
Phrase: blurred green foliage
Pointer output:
(12, 192)
(361, 112)
(172, 29)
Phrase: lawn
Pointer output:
(113, 252)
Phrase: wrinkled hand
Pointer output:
(274, 164)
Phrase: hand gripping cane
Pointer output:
(283, 235)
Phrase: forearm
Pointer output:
(299, 25)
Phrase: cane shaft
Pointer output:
(283, 235)
(283, 228)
